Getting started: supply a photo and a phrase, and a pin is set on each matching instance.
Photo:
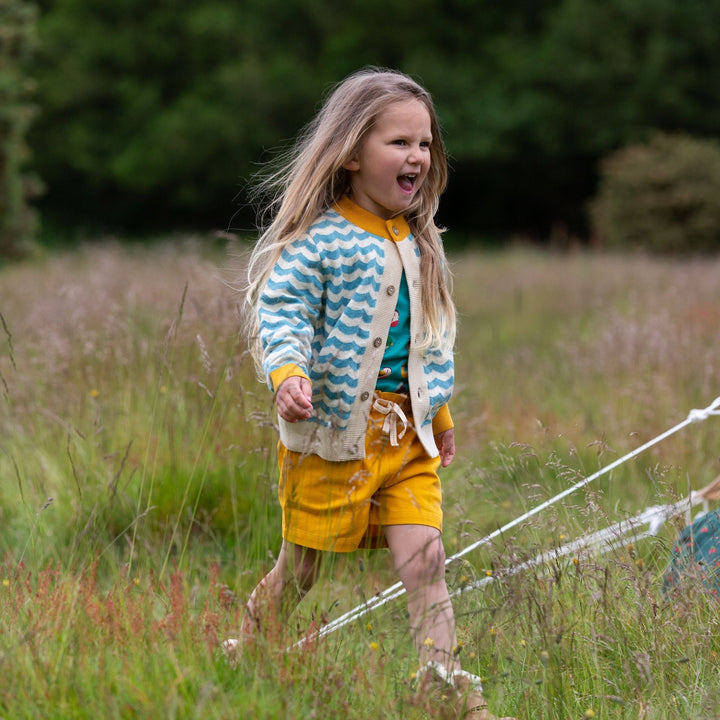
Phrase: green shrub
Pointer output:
(663, 196)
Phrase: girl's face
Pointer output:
(393, 159)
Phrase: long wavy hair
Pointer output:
(309, 178)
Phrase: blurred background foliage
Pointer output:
(153, 116)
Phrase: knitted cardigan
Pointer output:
(325, 313)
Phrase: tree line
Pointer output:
(155, 115)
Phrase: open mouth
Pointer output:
(407, 182)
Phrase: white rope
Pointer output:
(693, 416)
(601, 541)
(397, 589)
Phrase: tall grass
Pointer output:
(137, 495)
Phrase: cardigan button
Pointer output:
(365, 396)
(391, 290)
(377, 342)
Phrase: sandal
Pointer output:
(467, 689)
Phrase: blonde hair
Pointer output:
(310, 179)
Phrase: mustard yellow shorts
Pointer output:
(341, 506)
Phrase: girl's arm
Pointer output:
(288, 310)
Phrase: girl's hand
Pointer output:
(445, 442)
(294, 399)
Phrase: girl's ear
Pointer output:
(353, 164)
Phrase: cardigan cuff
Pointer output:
(442, 421)
(279, 376)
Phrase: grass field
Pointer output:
(138, 501)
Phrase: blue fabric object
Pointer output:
(696, 554)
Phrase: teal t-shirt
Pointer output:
(393, 376)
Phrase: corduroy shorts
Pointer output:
(341, 506)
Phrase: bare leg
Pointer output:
(279, 592)
(419, 560)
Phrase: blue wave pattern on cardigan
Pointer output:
(318, 305)
(440, 376)
(317, 311)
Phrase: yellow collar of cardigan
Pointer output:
(395, 228)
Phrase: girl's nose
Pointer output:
(415, 156)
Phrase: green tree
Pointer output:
(17, 41)
(537, 107)
(156, 114)
(161, 111)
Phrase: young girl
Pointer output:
(356, 326)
